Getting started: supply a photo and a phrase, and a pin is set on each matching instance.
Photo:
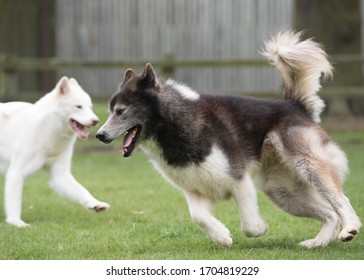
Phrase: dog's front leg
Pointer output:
(246, 199)
(201, 212)
(63, 182)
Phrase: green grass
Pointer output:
(149, 219)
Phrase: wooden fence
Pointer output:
(341, 100)
(147, 30)
(167, 65)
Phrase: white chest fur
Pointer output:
(210, 178)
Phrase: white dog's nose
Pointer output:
(95, 122)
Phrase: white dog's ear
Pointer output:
(63, 85)
(73, 81)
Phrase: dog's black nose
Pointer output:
(101, 135)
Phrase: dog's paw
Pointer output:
(348, 233)
(17, 223)
(313, 243)
(222, 237)
(225, 241)
(256, 230)
(99, 206)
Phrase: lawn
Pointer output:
(149, 219)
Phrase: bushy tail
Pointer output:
(301, 64)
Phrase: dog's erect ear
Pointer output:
(129, 73)
(63, 86)
(148, 78)
(73, 81)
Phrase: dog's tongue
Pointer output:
(82, 133)
(79, 129)
(127, 139)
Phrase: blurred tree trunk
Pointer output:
(337, 25)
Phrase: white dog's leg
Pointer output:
(63, 182)
(200, 209)
(3, 166)
(246, 198)
(15, 176)
(13, 198)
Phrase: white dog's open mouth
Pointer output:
(79, 129)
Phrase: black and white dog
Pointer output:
(209, 146)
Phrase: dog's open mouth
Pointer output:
(130, 141)
(79, 129)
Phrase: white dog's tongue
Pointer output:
(82, 133)
(79, 129)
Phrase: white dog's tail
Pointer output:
(301, 64)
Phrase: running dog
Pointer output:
(208, 146)
(42, 135)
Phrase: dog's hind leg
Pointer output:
(3, 166)
(308, 158)
(13, 198)
(326, 186)
(201, 212)
(18, 170)
(246, 199)
(298, 199)
(322, 165)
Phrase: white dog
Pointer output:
(42, 135)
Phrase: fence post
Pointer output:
(2, 76)
(8, 77)
(167, 65)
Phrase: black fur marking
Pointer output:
(186, 130)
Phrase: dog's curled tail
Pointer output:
(301, 64)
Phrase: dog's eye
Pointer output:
(119, 111)
(79, 106)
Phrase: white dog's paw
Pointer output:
(98, 206)
(17, 222)
(348, 233)
(256, 230)
(221, 237)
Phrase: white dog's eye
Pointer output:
(79, 106)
